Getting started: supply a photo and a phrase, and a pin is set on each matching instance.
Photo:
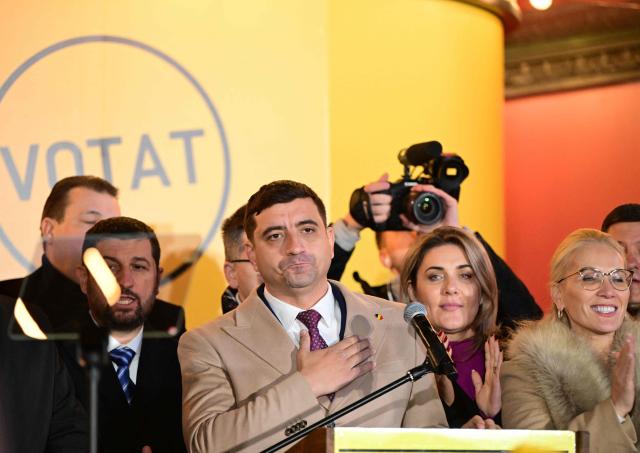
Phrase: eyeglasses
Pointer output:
(591, 279)
(239, 261)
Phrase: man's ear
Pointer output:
(158, 278)
(251, 254)
(332, 238)
(46, 228)
(82, 276)
(230, 275)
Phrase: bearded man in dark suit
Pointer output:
(139, 395)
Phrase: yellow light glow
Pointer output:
(101, 273)
(26, 322)
(541, 4)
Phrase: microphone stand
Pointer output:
(411, 376)
(93, 343)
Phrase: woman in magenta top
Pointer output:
(449, 272)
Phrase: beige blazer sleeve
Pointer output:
(212, 421)
(523, 407)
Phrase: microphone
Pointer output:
(420, 154)
(415, 313)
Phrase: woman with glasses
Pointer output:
(449, 272)
(576, 368)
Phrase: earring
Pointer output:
(560, 313)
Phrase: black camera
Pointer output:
(444, 171)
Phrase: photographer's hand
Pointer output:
(380, 202)
(451, 210)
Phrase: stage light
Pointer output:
(541, 4)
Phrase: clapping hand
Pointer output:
(489, 393)
(623, 378)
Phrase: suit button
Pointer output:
(303, 423)
(288, 432)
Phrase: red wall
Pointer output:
(569, 159)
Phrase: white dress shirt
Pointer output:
(136, 345)
(327, 306)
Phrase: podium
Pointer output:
(401, 440)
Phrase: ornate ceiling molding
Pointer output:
(569, 67)
(574, 44)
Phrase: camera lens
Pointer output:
(424, 207)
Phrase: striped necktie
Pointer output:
(122, 357)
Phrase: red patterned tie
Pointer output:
(310, 319)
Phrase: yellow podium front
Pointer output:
(370, 440)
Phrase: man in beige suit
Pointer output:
(299, 347)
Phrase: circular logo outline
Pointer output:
(13, 77)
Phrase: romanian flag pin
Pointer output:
(378, 316)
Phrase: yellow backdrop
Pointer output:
(188, 107)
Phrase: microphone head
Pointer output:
(414, 309)
(420, 153)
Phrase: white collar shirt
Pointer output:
(327, 306)
(136, 345)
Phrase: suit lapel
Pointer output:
(260, 332)
(365, 318)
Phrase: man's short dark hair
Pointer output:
(58, 199)
(122, 228)
(277, 192)
(629, 212)
(232, 231)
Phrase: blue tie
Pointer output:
(122, 357)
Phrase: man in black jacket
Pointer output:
(38, 409)
(73, 206)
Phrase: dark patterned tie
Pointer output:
(122, 357)
(310, 319)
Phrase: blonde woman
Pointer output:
(576, 369)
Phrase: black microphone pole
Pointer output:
(411, 376)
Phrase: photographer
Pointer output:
(515, 303)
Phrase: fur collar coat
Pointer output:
(565, 373)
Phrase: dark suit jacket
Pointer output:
(38, 409)
(154, 415)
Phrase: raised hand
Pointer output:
(489, 393)
(380, 202)
(328, 370)
(623, 377)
